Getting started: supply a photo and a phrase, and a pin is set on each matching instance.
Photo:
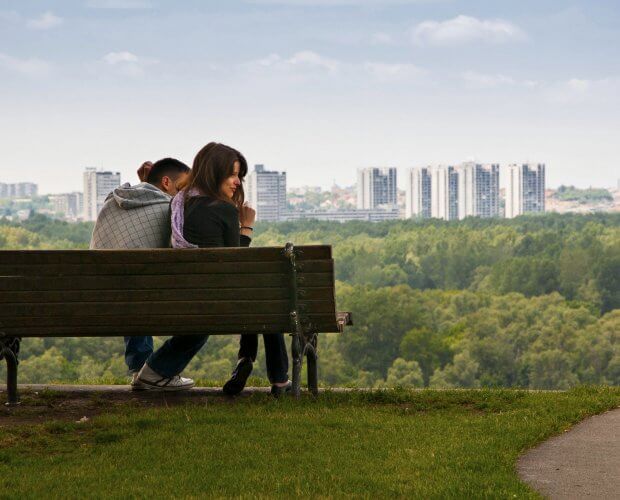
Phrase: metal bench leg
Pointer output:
(313, 373)
(297, 355)
(9, 349)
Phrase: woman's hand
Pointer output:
(247, 216)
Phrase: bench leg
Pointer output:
(297, 355)
(9, 349)
(313, 374)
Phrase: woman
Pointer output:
(209, 211)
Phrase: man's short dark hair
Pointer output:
(166, 167)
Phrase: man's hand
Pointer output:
(143, 171)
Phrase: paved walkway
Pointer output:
(582, 463)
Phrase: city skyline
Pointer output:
(318, 88)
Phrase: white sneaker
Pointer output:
(152, 380)
(136, 385)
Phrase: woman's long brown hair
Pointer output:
(213, 164)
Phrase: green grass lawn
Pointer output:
(379, 444)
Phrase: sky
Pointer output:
(317, 88)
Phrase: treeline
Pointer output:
(575, 255)
(41, 232)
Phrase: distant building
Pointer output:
(372, 215)
(418, 193)
(266, 193)
(525, 191)
(18, 190)
(478, 190)
(444, 193)
(376, 188)
(98, 184)
(70, 205)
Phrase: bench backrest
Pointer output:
(55, 293)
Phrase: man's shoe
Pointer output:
(277, 390)
(239, 377)
(136, 385)
(153, 381)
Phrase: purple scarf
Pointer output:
(177, 206)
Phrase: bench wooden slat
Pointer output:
(153, 256)
(166, 282)
(152, 323)
(206, 308)
(199, 294)
(96, 269)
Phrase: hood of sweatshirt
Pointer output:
(141, 195)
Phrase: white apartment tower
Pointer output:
(376, 188)
(266, 192)
(444, 192)
(18, 190)
(525, 190)
(478, 190)
(97, 185)
(418, 193)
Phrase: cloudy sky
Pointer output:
(314, 87)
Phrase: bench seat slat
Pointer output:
(70, 296)
(153, 256)
(96, 269)
(162, 282)
(154, 322)
(205, 308)
(115, 331)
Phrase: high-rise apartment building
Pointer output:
(70, 205)
(418, 193)
(444, 192)
(525, 190)
(266, 193)
(18, 190)
(97, 185)
(376, 188)
(478, 190)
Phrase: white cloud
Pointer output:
(463, 29)
(120, 57)
(45, 21)
(308, 63)
(579, 90)
(305, 60)
(127, 64)
(394, 72)
(119, 4)
(308, 58)
(28, 67)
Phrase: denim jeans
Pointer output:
(172, 357)
(137, 350)
(275, 354)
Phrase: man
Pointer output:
(139, 217)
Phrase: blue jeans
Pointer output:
(172, 357)
(137, 350)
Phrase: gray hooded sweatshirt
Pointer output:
(133, 217)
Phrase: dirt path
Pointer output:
(583, 463)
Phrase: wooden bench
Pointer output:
(100, 293)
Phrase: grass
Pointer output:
(363, 444)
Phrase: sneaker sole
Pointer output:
(153, 387)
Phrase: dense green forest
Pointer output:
(526, 302)
(590, 195)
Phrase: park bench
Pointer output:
(100, 293)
